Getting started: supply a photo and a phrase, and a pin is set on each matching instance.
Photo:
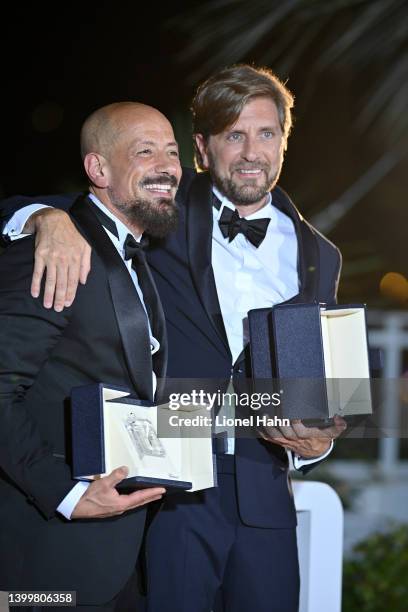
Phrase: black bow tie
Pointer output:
(232, 224)
(133, 248)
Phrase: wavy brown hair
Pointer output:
(219, 101)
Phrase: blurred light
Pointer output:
(395, 286)
(47, 117)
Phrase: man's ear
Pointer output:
(96, 167)
(201, 145)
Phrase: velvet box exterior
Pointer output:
(316, 357)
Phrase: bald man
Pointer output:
(57, 534)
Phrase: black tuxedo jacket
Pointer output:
(198, 347)
(43, 354)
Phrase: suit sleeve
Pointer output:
(28, 333)
(11, 205)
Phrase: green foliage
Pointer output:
(376, 578)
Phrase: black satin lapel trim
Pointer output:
(106, 221)
(129, 311)
(199, 243)
(311, 267)
(308, 249)
(160, 333)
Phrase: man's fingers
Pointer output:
(298, 433)
(300, 429)
(270, 432)
(286, 444)
(288, 432)
(304, 432)
(85, 265)
(60, 287)
(281, 441)
(334, 431)
(39, 267)
(64, 252)
(140, 498)
(50, 282)
(72, 284)
(340, 423)
(307, 448)
(116, 476)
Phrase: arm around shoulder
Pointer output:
(11, 205)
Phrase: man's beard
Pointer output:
(157, 218)
(243, 194)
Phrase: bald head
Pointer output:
(103, 128)
(131, 159)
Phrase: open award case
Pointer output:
(316, 356)
(110, 428)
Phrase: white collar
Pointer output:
(263, 213)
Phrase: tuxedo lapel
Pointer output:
(129, 312)
(308, 250)
(160, 333)
(199, 242)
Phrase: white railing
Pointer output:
(320, 546)
(388, 331)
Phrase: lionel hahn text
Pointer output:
(258, 420)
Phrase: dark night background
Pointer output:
(60, 64)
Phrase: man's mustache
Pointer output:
(169, 179)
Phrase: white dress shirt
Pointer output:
(248, 277)
(14, 230)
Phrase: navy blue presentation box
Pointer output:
(315, 356)
(110, 428)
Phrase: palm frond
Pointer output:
(358, 34)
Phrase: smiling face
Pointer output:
(139, 171)
(245, 159)
(145, 172)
